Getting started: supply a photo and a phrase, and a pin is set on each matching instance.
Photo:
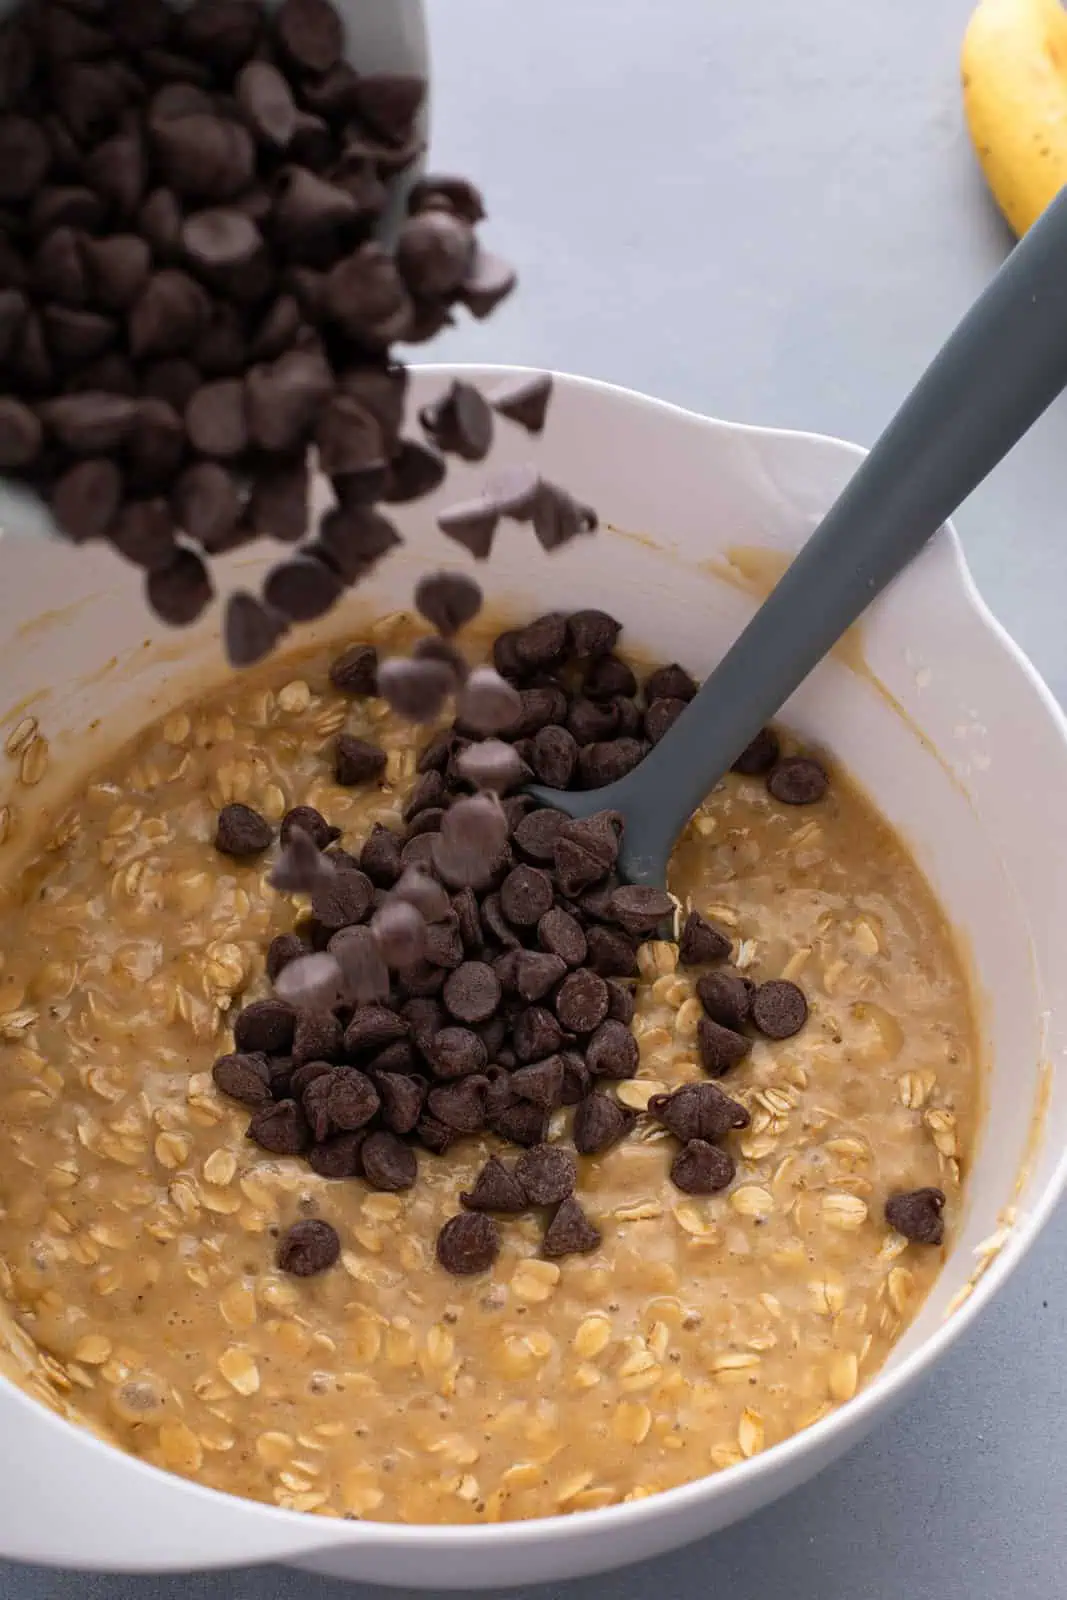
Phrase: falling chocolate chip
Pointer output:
(491, 764)
(779, 1009)
(180, 591)
(448, 600)
(488, 704)
(416, 690)
(570, 1232)
(798, 781)
(312, 980)
(702, 1168)
(468, 1244)
(307, 1248)
(300, 866)
(525, 400)
(917, 1215)
(460, 422)
(472, 524)
(401, 933)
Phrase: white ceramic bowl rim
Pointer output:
(301, 1536)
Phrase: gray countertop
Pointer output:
(770, 212)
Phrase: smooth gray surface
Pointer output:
(769, 211)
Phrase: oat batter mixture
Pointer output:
(139, 1225)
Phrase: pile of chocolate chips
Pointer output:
(192, 295)
(435, 995)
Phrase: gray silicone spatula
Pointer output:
(1000, 369)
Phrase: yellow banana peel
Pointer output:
(1015, 98)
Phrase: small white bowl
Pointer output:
(933, 710)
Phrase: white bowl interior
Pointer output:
(931, 709)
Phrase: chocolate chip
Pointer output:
(543, 642)
(558, 517)
(456, 1053)
(592, 633)
(460, 1105)
(318, 1037)
(607, 762)
(700, 941)
(760, 755)
(265, 1026)
(20, 435)
(85, 500)
(488, 703)
(472, 992)
(537, 833)
(356, 671)
(300, 865)
(726, 997)
(465, 905)
(424, 894)
(304, 1076)
(312, 822)
(607, 676)
(267, 102)
(402, 1099)
(468, 1244)
(540, 1082)
(612, 1052)
(434, 251)
(373, 1026)
(206, 504)
(917, 1215)
(522, 1123)
(570, 1232)
(561, 935)
(535, 974)
(702, 1168)
(472, 844)
(535, 1034)
(798, 781)
(444, 945)
(244, 1076)
(495, 1189)
(779, 1009)
(540, 705)
(489, 281)
(380, 856)
(554, 756)
(547, 1174)
(302, 589)
(661, 715)
(698, 1111)
(525, 896)
(308, 1247)
(640, 908)
(343, 899)
(388, 1163)
(241, 832)
(525, 401)
(620, 1003)
(670, 683)
(282, 1129)
(491, 764)
(24, 158)
(283, 948)
(720, 1048)
(180, 591)
(599, 1122)
(611, 953)
(143, 533)
(356, 760)
(312, 981)
(339, 1157)
(582, 1001)
(590, 721)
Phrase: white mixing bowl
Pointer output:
(933, 709)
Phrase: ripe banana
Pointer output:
(1015, 98)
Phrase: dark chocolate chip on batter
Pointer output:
(779, 1009)
(917, 1215)
(308, 1247)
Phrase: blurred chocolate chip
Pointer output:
(167, 315)
(701, 941)
(143, 533)
(180, 591)
(489, 281)
(206, 504)
(702, 1168)
(670, 683)
(607, 677)
(401, 933)
(415, 689)
(24, 158)
(307, 1248)
(282, 1129)
(447, 192)
(356, 760)
(434, 251)
(604, 763)
(448, 600)
(698, 1111)
(266, 100)
(365, 294)
(760, 755)
(725, 996)
(283, 948)
(570, 1232)
(661, 715)
(301, 589)
(460, 422)
(525, 401)
(468, 1244)
(203, 157)
(798, 781)
(380, 856)
(342, 899)
(284, 398)
(491, 764)
(215, 419)
(779, 1009)
(471, 524)
(20, 435)
(554, 756)
(244, 1076)
(558, 517)
(456, 1052)
(917, 1215)
(311, 981)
